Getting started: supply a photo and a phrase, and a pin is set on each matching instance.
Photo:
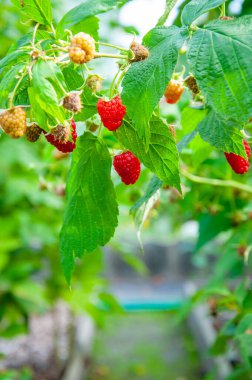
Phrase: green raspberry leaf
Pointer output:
(85, 10)
(141, 209)
(162, 156)
(222, 134)
(36, 10)
(8, 83)
(91, 209)
(196, 8)
(145, 82)
(220, 56)
(46, 77)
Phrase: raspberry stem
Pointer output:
(34, 35)
(223, 10)
(216, 182)
(13, 93)
(112, 46)
(104, 55)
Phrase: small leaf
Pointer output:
(142, 207)
(89, 25)
(154, 185)
(145, 82)
(44, 74)
(162, 156)
(196, 8)
(8, 83)
(37, 10)
(220, 56)
(85, 10)
(91, 208)
(223, 135)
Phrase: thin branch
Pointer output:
(216, 182)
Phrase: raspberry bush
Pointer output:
(48, 83)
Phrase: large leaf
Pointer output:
(86, 9)
(220, 57)
(196, 8)
(91, 209)
(36, 10)
(162, 156)
(145, 82)
(222, 134)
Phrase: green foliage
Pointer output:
(196, 8)
(218, 56)
(162, 156)
(91, 209)
(37, 73)
(37, 10)
(84, 11)
(145, 82)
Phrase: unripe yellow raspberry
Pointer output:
(77, 55)
(13, 122)
(86, 43)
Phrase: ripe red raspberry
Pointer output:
(174, 91)
(140, 52)
(61, 145)
(128, 167)
(13, 122)
(72, 102)
(111, 112)
(238, 163)
(86, 43)
(33, 132)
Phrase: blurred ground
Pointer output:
(144, 346)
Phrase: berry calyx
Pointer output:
(86, 44)
(238, 163)
(63, 145)
(33, 133)
(140, 52)
(128, 167)
(111, 112)
(174, 91)
(13, 122)
(72, 102)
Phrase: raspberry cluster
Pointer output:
(128, 167)
(111, 112)
(62, 144)
(174, 91)
(13, 122)
(82, 48)
(238, 163)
